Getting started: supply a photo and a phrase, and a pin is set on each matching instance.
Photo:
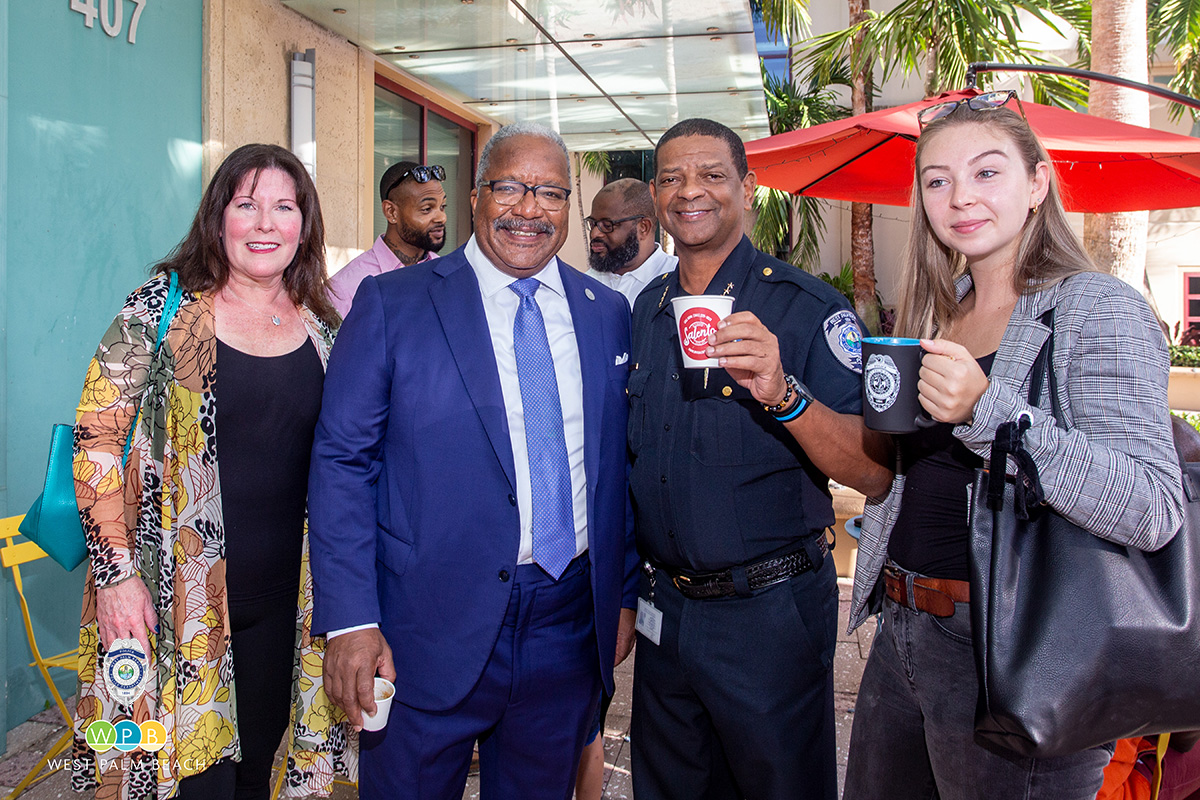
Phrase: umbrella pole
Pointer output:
(1084, 74)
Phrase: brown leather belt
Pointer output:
(935, 596)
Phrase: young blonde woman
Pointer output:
(989, 252)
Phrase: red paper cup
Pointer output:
(697, 316)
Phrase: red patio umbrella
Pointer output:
(1102, 165)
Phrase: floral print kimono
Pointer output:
(161, 519)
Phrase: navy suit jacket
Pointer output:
(413, 519)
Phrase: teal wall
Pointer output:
(5, 590)
(100, 169)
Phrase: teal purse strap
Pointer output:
(170, 306)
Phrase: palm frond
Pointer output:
(784, 19)
(780, 215)
(773, 208)
(791, 107)
(957, 32)
(809, 228)
(1175, 25)
(595, 162)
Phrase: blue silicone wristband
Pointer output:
(801, 407)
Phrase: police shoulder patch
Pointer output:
(844, 338)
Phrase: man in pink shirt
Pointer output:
(414, 205)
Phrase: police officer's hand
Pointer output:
(351, 663)
(625, 634)
(750, 354)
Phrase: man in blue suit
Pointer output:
(469, 519)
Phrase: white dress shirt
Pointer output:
(500, 307)
(631, 283)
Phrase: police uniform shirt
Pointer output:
(716, 480)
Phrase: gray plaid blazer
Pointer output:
(1113, 471)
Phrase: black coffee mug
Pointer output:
(891, 368)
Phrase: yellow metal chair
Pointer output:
(12, 555)
(281, 773)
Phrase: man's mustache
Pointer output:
(537, 225)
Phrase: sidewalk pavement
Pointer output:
(28, 742)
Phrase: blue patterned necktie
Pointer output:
(549, 470)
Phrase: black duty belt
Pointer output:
(758, 574)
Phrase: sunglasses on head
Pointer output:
(989, 101)
(434, 172)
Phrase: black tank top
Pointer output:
(932, 533)
(267, 410)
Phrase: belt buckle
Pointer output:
(901, 584)
(681, 581)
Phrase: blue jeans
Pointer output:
(913, 734)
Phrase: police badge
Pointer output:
(126, 670)
(882, 382)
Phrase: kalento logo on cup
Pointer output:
(698, 316)
(694, 328)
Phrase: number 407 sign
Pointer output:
(112, 15)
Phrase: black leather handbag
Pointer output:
(1078, 641)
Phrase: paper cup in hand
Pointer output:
(384, 692)
(697, 316)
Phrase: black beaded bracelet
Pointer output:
(787, 396)
(804, 400)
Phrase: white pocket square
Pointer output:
(622, 359)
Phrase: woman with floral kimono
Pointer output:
(198, 548)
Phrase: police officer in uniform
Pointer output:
(733, 688)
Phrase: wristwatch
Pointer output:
(787, 410)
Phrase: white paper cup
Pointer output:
(384, 692)
(696, 316)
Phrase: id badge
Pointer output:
(649, 620)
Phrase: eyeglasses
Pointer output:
(607, 225)
(980, 102)
(435, 172)
(509, 193)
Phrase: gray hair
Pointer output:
(520, 129)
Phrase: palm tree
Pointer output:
(1175, 25)
(862, 227)
(1117, 242)
(786, 19)
(941, 37)
(593, 162)
(784, 225)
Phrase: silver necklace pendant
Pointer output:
(275, 320)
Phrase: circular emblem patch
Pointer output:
(882, 380)
(844, 338)
(694, 327)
